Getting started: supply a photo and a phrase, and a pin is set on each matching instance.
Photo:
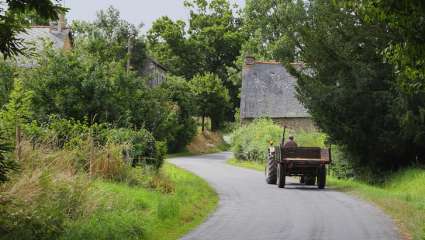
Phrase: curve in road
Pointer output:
(249, 209)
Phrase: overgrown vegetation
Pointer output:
(52, 197)
(250, 142)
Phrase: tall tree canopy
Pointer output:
(108, 38)
(405, 21)
(210, 43)
(16, 15)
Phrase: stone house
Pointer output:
(268, 90)
(58, 33)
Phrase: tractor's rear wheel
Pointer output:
(321, 177)
(271, 170)
(281, 175)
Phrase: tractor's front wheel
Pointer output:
(271, 169)
(281, 175)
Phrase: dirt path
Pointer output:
(249, 209)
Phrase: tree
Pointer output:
(211, 43)
(78, 85)
(14, 20)
(179, 92)
(211, 97)
(406, 52)
(111, 38)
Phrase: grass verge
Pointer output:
(132, 212)
(402, 196)
(246, 164)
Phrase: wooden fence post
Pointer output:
(18, 147)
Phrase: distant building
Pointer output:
(268, 90)
(34, 37)
(154, 71)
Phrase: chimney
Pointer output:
(249, 60)
(61, 22)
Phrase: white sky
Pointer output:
(134, 11)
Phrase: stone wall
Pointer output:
(305, 124)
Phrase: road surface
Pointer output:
(249, 209)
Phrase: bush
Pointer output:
(119, 145)
(250, 142)
(141, 146)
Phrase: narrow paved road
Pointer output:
(249, 209)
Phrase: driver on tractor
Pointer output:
(290, 143)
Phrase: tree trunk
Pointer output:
(215, 124)
(203, 122)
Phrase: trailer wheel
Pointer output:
(310, 180)
(281, 175)
(321, 177)
(271, 170)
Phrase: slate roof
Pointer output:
(268, 90)
(36, 33)
(34, 37)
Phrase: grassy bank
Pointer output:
(402, 196)
(50, 197)
(177, 205)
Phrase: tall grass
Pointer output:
(94, 194)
